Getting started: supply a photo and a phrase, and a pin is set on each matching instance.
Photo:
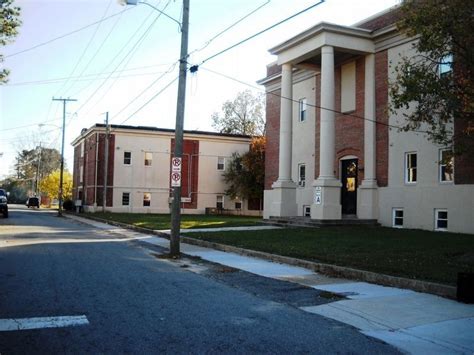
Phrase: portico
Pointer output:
(320, 49)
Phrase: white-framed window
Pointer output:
(301, 175)
(220, 202)
(441, 219)
(148, 158)
(303, 105)
(147, 199)
(220, 163)
(238, 205)
(446, 165)
(125, 198)
(410, 168)
(397, 217)
(127, 158)
(445, 65)
(307, 211)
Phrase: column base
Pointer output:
(281, 200)
(367, 200)
(326, 202)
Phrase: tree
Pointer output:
(243, 115)
(245, 174)
(37, 162)
(437, 83)
(9, 23)
(50, 185)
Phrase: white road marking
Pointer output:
(11, 324)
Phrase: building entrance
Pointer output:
(349, 186)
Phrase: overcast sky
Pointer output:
(125, 64)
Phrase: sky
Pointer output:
(123, 60)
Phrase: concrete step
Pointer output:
(317, 223)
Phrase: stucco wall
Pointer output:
(303, 137)
(420, 200)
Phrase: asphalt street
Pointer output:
(135, 301)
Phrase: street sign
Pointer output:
(176, 179)
(176, 164)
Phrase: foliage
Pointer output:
(245, 174)
(243, 115)
(9, 23)
(444, 40)
(50, 185)
(17, 189)
(28, 161)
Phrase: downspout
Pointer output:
(96, 164)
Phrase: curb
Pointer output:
(326, 269)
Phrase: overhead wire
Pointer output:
(308, 104)
(64, 35)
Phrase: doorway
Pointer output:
(349, 186)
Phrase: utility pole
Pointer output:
(38, 172)
(106, 161)
(178, 140)
(60, 207)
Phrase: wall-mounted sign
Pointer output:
(318, 196)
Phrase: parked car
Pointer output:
(3, 203)
(33, 202)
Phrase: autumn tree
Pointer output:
(49, 185)
(436, 84)
(245, 173)
(243, 115)
(9, 23)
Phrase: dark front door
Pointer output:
(349, 186)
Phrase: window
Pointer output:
(220, 202)
(81, 174)
(446, 165)
(445, 65)
(302, 108)
(397, 218)
(441, 219)
(148, 158)
(125, 198)
(127, 158)
(238, 205)
(410, 168)
(301, 174)
(348, 87)
(82, 148)
(220, 163)
(146, 199)
(307, 211)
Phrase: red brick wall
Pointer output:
(76, 172)
(349, 127)
(381, 112)
(382, 21)
(464, 163)
(189, 171)
(272, 130)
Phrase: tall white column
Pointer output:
(367, 198)
(326, 204)
(328, 129)
(281, 200)
(284, 170)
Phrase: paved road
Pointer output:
(136, 302)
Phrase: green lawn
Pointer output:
(162, 221)
(415, 254)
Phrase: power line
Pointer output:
(311, 105)
(65, 35)
(262, 31)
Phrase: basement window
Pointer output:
(127, 158)
(397, 218)
(146, 199)
(441, 219)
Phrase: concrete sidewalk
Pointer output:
(414, 322)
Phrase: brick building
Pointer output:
(139, 166)
(330, 150)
